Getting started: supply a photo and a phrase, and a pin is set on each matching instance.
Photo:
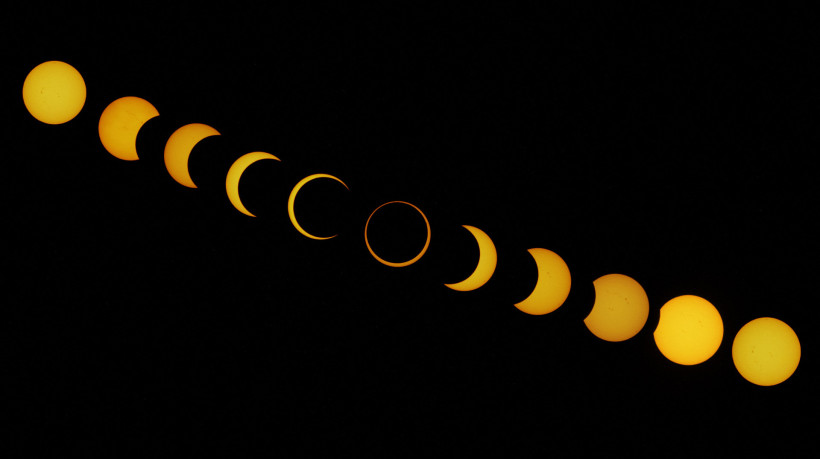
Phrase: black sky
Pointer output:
(671, 146)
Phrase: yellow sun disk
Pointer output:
(178, 149)
(292, 201)
(766, 351)
(120, 123)
(553, 284)
(54, 92)
(689, 331)
(235, 173)
(620, 310)
(487, 261)
(404, 263)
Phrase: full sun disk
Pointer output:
(54, 92)
(766, 351)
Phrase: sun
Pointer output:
(401, 264)
(178, 149)
(552, 285)
(620, 310)
(487, 260)
(54, 92)
(766, 351)
(120, 123)
(689, 331)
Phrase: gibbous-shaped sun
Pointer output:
(620, 310)
(54, 92)
(766, 351)
(689, 331)
(120, 123)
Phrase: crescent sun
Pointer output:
(235, 173)
(552, 286)
(292, 201)
(487, 261)
(178, 149)
(120, 123)
(404, 263)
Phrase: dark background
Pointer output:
(669, 145)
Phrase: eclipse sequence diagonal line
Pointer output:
(766, 351)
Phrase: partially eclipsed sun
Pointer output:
(487, 260)
(178, 149)
(620, 310)
(292, 202)
(120, 123)
(689, 331)
(235, 173)
(552, 286)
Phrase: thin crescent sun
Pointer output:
(487, 261)
(404, 263)
(235, 173)
(292, 201)
(178, 149)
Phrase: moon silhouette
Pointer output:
(689, 331)
(120, 123)
(620, 310)
(766, 351)
(292, 201)
(403, 263)
(552, 286)
(54, 92)
(487, 260)
(235, 173)
(178, 149)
